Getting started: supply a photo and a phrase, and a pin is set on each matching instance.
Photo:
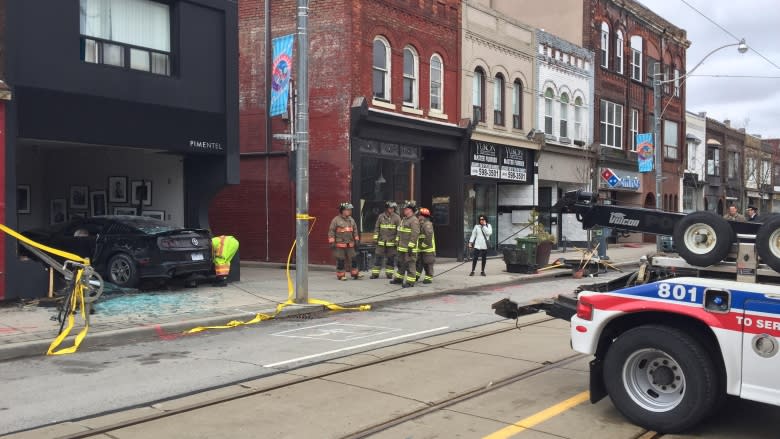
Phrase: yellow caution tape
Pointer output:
(77, 299)
(290, 295)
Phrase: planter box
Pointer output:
(527, 256)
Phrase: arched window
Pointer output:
(604, 45)
(437, 84)
(478, 95)
(564, 123)
(381, 69)
(619, 52)
(498, 100)
(411, 73)
(517, 105)
(548, 111)
(578, 119)
(636, 58)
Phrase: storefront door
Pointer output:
(480, 199)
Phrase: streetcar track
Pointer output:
(224, 399)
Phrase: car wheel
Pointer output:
(661, 378)
(703, 238)
(768, 242)
(122, 271)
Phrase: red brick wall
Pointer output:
(341, 33)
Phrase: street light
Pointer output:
(742, 47)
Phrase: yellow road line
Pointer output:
(538, 418)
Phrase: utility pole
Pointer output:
(269, 62)
(301, 137)
(658, 166)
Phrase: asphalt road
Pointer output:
(42, 390)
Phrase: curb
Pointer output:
(173, 330)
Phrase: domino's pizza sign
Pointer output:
(611, 179)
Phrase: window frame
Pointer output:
(438, 57)
(676, 82)
(478, 86)
(413, 77)
(619, 49)
(517, 104)
(549, 95)
(386, 70)
(616, 124)
(578, 103)
(563, 117)
(604, 46)
(671, 151)
(499, 89)
(713, 155)
(637, 52)
(634, 128)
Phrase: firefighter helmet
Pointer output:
(425, 212)
(344, 206)
(410, 204)
(389, 204)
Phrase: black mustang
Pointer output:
(126, 249)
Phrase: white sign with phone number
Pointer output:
(485, 170)
(510, 173)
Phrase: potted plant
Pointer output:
(531, 251)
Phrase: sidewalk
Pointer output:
(27, 330)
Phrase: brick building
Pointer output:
(725, 166)
(384, 121)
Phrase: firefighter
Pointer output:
(343, 237)
(385, 232)
(223, 249)
(408, 231)
(426, 246)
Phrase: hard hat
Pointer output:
(425, 212)
(389, 204)
(410, 204)
(345, 205)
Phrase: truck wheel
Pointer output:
(661, 378)
(768, 242)
(703, 238)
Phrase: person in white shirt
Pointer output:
(480, 237)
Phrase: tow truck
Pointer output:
(672, 339)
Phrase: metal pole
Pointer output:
(658, 166)
(302, 155)
(269, 60)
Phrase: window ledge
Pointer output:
(438, 115)
(383, 104)
(412, 110)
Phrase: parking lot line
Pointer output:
(371, 343)
(539, 417)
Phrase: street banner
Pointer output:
(281, 74)
(645, 151)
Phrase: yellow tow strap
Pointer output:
(290, 295)
(77, 300)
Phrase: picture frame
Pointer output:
(75, 214)
(156, 214)
(98, 205)
(141, 192)
(58, 211)
(79, 197)
(124, 210)
(117, 189)
(23, 199)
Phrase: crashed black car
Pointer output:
(126, 249)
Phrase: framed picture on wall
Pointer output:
(156, 214)
(58, 211)
(97, 203)
(118, 210)
(141, 192)
(74, 214)
(117, 189)
(79, 197)
(23, 199)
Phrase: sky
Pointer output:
(750, 103)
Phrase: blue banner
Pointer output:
(281, 74)
(645, 151)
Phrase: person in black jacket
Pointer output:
(752, 214)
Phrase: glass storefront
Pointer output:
(381, 180)
(480, 199)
